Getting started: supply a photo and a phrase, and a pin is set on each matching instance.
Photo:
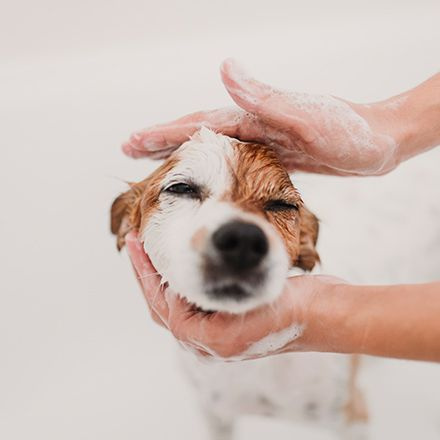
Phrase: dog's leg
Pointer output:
(356, 413)
(219, 429)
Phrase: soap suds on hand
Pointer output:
(397, 102)
(274, 341)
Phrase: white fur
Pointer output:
(301, 387)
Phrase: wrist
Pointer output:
(414, 118)
(330, 319)
(396, 123)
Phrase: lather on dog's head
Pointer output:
(221, 222)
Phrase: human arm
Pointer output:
(314, 313)
(399, 321)
(316, 133)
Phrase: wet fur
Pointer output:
(258, 176)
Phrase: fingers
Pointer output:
(154, 315)
(161, 140)
(129, 150)
(277, 108)
(148, 277)
(244, 90)
(200, 329)
(141, 262)
(222, 335)
(167, 308)
(260, 105)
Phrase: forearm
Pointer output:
(393, 321)
(417, 114)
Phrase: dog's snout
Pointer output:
(241, 245)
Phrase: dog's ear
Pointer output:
(309, 228)
(126, 210)
(125, 213)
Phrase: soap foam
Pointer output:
(274, 342)
(268, 345)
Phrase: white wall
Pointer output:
(80, 357)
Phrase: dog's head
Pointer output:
(221, 222)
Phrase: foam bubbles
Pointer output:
(274, 342)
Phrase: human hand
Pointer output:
(315, 133)
(288, 324)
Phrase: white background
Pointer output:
(80, 357)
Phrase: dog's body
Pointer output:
(301, 387)
(222, 223)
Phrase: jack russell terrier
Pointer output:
(222, 223)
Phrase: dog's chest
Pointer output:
(308, 387)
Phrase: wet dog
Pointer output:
(223, 223)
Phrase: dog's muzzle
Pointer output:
(239, 249)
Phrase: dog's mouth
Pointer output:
(232, 291)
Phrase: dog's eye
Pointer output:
(280, 205)
(183, 189)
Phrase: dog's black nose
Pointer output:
(241, 245)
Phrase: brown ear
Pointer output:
(309, 228)
(125, 213)
(126, 209)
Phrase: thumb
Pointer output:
(149, 278)
(247, 92)
(147, 274)
(280, 109)
(137, 255)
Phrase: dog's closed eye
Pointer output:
(280, 205)
(183, 189)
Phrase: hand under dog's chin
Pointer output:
(229, 296)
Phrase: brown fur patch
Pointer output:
(199, 238)
(259, 178)
(132, 209)
(309, 229)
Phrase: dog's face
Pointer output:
(221, 222)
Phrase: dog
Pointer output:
(223, 224)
